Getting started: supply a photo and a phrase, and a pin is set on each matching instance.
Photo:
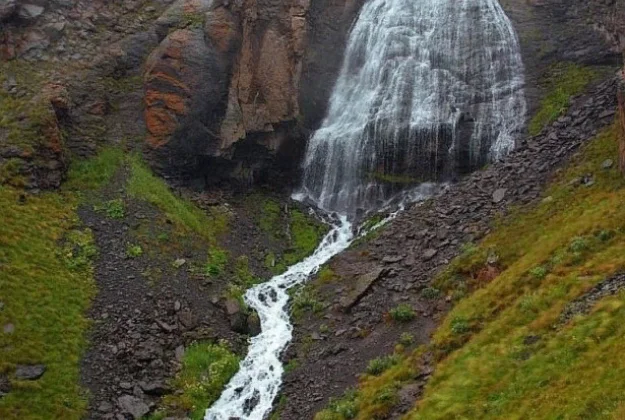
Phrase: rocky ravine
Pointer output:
(394, 267)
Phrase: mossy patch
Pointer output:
(562, 82)
(46, 283)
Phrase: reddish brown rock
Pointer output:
(183, 84)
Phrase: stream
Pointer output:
(252, 391)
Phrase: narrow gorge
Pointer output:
(325, 210)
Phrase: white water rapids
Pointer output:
(252, 391)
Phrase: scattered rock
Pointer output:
(179, 262)
(30, 11)
(361, 287)
(499, 195)
(391, 259)
(607, 164)
(430, 253)
(133, 406)
(9, 328)
(154, 388)
(29, 372)
(105, 407)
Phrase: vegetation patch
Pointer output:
(563, 81)
(206, 369)
(305, 300)
(181, 212)
(402, 313)
(46, 283)
(92, 174)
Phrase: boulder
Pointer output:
(30, 11)
(361, 287)
(133, 406)
(237, 315)
(29, 372)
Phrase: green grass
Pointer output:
(217, 260)
(114, 209)
(380, 365)
(184, 215)
(206, 369)
(92, 174)
(402, 313)
(46, 283)
(549, 254)
(563, 82)
(305, 300)
(300, 232)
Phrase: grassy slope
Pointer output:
(563, 81)
(548, 255)
(46, 283)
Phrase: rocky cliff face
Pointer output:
(230, 86)
(233, 76)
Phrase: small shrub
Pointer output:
(134, 251)
(406, 339)
(324, 329)
(605, 235)
(539, 272)
(305, 300)
(113, 208)
(217, 260)
(430, 293)
(578, 244)
(459, 326)
(378, 366)
(402, 313)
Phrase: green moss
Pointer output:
(206, 369)
(185, 215)
(563, 82)
(243, 273)
(46, 283)
(271, 218)
(92, 174)
(306, 233)
(327, 275)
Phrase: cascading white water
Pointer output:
(422, 80)
(428, 89)
(251, 392)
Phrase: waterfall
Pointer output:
(428, 89)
